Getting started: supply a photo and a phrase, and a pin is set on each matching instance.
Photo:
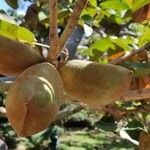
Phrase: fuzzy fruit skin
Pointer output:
(33, 100)
(15, 57)
(94, 84)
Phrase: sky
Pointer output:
(22, 6)
(3, 5)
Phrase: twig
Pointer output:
(128, 95)
(72, 22)
(131, 54)
(137, 94)
(53, 31)
(66, 113)
(118, 113)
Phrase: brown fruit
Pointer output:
(144, 141)
(33, 100)
(15, 56)
(94, 84)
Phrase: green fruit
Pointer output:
(15, 56)
(33, 100)
(94, 84)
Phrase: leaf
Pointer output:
(145, 37)
(12, 3)
(129, 2)
(88, 19)
(93, 2)
(116, 55)
(136, 4)
(91, 11)
(107, 123)
(141, 69)
(15, 32)
(103, 44)
(115, 5)
(123, 43)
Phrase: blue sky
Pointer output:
(3, 5)
(22, 6)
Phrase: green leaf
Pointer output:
(91, 11)
(88, 19)
(141, 69)
(145, 37)
(123, 43)
(136, 4)
(128, 2)
(12, 3)
(103, 44)
(93, 2)
(115, 5)
(15, 32)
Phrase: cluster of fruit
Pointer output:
(34, 99)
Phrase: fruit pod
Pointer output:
(144, 141)
(33, 100)
(94, 84)
(16, 56)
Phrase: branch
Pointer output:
(131, 54)
(66, 113)
(139, 94)
(72, 22)
(136, 94)
(53, 31)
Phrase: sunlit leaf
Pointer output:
(125, 44)
(103, 44)
(15, 32)
(114, 4)
(116, 55)
(138, 4)
(145, 37)
(91, 11)
(93, 2)
(129, 2)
